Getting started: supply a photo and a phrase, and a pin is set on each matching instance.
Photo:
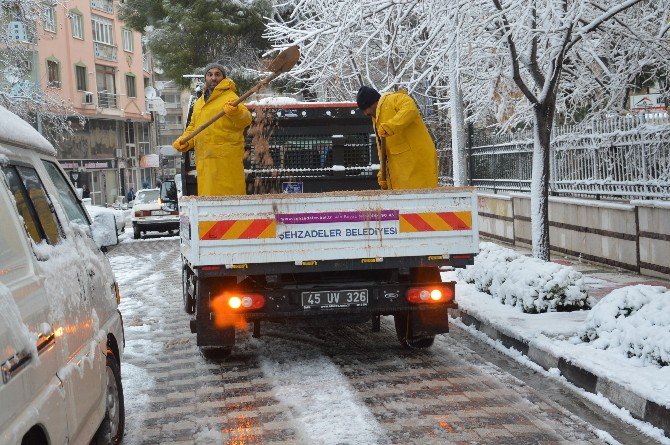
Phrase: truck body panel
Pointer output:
(302, 228)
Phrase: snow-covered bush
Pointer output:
(634, 320)
(533, 285)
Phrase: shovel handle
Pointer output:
(221, 113)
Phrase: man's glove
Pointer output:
(229, 108)
(383, 184)
(177, 144)
(384, 131)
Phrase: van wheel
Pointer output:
(136, 232)
(112, 427)
(401, 322)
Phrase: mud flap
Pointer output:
(427, 323)
(212, 330)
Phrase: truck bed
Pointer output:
(369, 228)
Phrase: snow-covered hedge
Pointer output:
(533, 285)
(634, 320)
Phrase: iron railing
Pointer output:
(622, 157)
(107, 100)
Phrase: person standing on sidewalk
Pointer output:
(219, 148)
(411, 158)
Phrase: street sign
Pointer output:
(648, 102)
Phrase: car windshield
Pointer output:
(147, 196)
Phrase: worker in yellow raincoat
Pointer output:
(411, 158)
(219, 148)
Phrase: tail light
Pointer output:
(431, 294)
(237, 302)
(141, 213)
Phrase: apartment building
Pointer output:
(85, 53)
(171, 125)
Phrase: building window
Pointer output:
(77, 23)
(49, 18)
(80, 73)
(130, 86)
(53, 74)
(102, 30)
(128, 40)
(171, 98)
(103, 5)
(17, 31)
(173, 119)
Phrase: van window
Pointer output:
(33, 204)
(66, 195)
(22, 205)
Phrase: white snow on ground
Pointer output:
(135, 382)
(559, 333)
(527, 283)
(322, 403)
(139, 276)
(598, 399)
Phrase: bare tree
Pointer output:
(387, 44)
(565, 58)
(20, 93)
(514, 62)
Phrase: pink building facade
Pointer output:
(88, 57)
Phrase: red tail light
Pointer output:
(237, 302)
(431, 294)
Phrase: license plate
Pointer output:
(159, 212)
(327, 299)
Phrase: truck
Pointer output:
(315, 241)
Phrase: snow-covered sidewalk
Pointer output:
(618, 349)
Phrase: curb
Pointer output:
(639, 407)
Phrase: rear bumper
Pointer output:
(157, 225)
(286, 305)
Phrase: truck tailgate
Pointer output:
(300, 228)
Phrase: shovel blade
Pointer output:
(285, 60)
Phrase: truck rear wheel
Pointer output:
(188, 280)
(402, 331)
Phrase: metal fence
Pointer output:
(622, 157)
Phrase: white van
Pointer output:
(61, 334)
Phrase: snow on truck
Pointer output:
(314, 240)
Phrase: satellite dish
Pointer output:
(149, 92)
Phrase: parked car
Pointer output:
(61, 333)
(117, 215)
(150, 213)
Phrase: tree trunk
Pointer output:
(457, 124)
(539, 187)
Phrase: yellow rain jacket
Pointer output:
(411, 158)
(219, 149)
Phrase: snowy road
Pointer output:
(347, 386)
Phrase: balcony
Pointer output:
(103, 5)
(105, 51)
(107, 100)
